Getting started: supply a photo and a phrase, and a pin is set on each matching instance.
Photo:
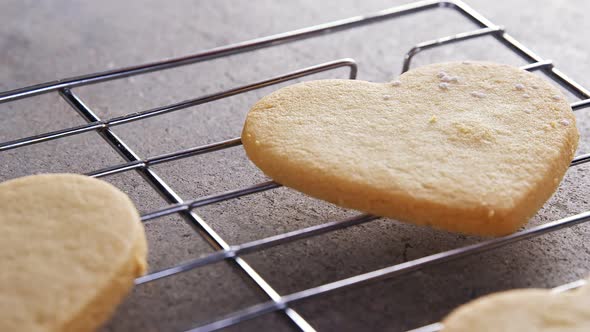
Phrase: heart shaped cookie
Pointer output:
(71, 248)
(524, 310)
(468, 147)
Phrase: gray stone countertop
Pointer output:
(42, 41)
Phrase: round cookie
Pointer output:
(470, 147)
(524, 310)
(71, 248)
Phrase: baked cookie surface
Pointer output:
(469, 147)
(71, 248)
(534, 310)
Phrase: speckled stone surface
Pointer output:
(43, 41)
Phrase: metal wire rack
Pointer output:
(224, 251)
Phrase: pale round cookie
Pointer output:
(535, 310)
(469, 147)
(71, 248)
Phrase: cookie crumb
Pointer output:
(519, 86)
(491, 213)
(564, 122)
(432, 119)
(478, 94)
(444, 86)
(556, 97)
(386, 97)
(526, 95)
(553, 124)
(396, 83)
(463, 129)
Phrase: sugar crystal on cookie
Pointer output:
(448, 78)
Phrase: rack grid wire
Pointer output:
(225, 252)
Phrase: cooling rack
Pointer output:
(225, 252)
